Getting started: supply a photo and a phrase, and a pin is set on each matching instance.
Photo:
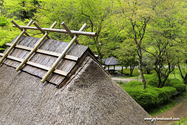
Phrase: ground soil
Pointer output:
(179, 111)
(121, 78)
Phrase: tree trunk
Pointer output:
(185, 79)
(159, 76)
(163, 82)
(141, 70)
(131, 70)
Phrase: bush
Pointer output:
(151, 96)
(179, 85)
(165, 93)
(152, 80)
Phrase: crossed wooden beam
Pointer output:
(46, 31)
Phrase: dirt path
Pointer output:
(179, 111)
(124, 79)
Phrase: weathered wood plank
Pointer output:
(66, 65)
(70, 57)
(62, 55)
(20, 46)
(57, 79)
(57, 71)
(35, 48)
(54, 48)
(46, 68)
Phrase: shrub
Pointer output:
(152, 80)
(165, 93)
(179, 85)
(151, 96)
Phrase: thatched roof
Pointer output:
(39, 62)
(90, 97)
(110, 61)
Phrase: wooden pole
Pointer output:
(19, 27)
(41, 29)
(34, 49)
(114, 69)
(69, 32)
(14, 44)
(61, 56)
(60, 30)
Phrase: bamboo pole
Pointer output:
(60, 30)
(14, 44)
(19, 27)
(41, 29)
(69, 32)
(61, 56)
(34, 49)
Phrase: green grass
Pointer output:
(181, 122)
(135, 74)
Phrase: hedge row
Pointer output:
(151, 96)
(152, 80)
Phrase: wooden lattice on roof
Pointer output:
(51, 60)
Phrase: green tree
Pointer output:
(138, 14)
(7, 33)
(21, 9)
(59, 11)
(163, 47)
(96, 13)
(127, 54)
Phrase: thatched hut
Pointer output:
(89, 96)
(75, 89)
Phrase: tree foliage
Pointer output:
(150, 32)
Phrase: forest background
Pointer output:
(151, 33)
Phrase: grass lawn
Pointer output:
(135, 74)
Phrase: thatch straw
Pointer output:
(90, 98)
